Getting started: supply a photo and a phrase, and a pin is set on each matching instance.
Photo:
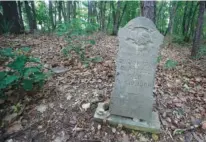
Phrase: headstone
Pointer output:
(132, 96)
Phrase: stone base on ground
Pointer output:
(102, 115)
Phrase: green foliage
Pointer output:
(170, 64)
(81, 54)
(178, 39)
(20, 75)
(159, 58)
(42, 16)
(91, 41)
(201, 52)
(76, 27)
(6, 26)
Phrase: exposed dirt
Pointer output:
(63, 110)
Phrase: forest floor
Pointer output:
(63, 110)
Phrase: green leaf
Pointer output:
(2, 75)
(18, 64)
(39, 76)
(2, 84)
(92, 42)
(10, 79)
(178, 131)
(170, 64)
(25, 49)
(97, 59)
(6, 52)
(35, 60)
(27, 84)
(30, 70)
(159, 58)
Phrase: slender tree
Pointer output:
(1, 20)
(11, 17)
(59, 11)
(51, 14)
(173, 9)
(74, 9)
(198, 30)
(20, 16)
(33, 15)
(69, 4)
(148, 9)
(30, 16)
(116, 16)
(90, 4)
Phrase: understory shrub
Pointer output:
(76, 27)
(201, 52)
(178, 39)
(170, 64)
(22, 71)
(81, 54)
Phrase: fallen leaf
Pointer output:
(86, 106)
(155, 137)
(41, 108)
(125, 138)
(204, 125)
(188, 137)
(99, 127)
(113, 130)
(14, 127)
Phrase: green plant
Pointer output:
(201, 52)
(6, 26)
(75, 27)
(159, 58)
(170, 64)
(81, 54)
(178, 39)
(24, 71)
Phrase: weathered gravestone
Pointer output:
(132, 98)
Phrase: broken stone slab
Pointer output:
(103, 115)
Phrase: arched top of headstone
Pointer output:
(140, 31)
(141, 22)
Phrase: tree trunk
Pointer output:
(68, 10)
(89, 11)
(173, 10)
(20, 16)
(11, 16)
(184, 18)
(34, 15)
(188, 19)
(29, 16)
(59, 11)
(64, 11)
(55, 12)
(198, 31)
(109, 16)
(102, 15)
(51, 14)
(148, 9)
(123, 11)
(1, 20)
(116, 18)
(74, 9)
(193, 21)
